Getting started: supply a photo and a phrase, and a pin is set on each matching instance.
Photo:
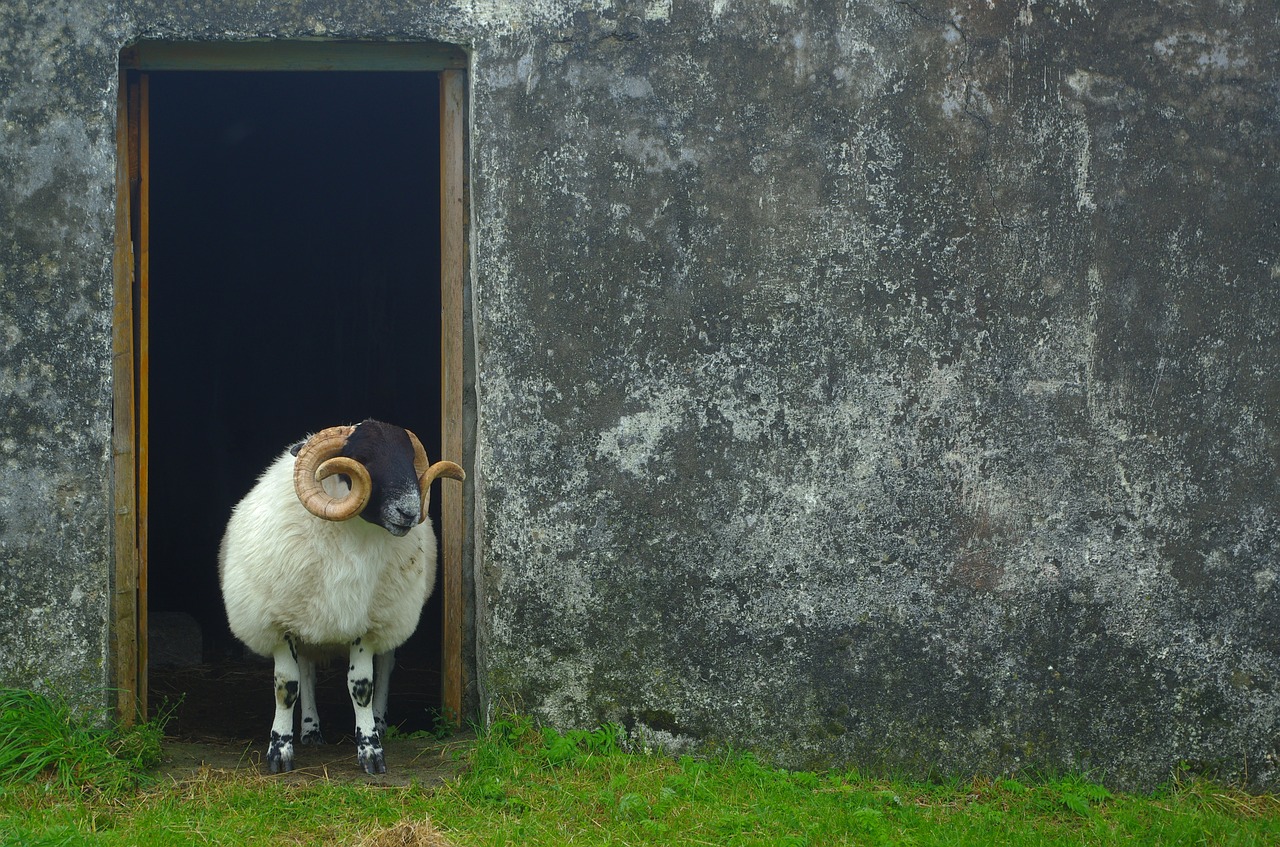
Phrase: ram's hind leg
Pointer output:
(280, 753)
(307, 701)
(382, 665)
(360, 684)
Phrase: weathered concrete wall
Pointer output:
(57, 161)
(893, 382)
(890, 382)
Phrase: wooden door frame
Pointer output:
(130, 362)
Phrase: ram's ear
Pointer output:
(293, 450)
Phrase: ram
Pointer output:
(331, 553)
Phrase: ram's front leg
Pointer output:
(360, 684)
(280, 753)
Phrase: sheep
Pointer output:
(302, 581)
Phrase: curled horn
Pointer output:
(427, 473)
(319, 459)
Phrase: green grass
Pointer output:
(525, 785)
(42, 739)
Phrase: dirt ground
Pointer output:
(218, 716)
(425, 761)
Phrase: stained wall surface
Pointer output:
(877, 382)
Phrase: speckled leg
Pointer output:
(280, 753)
(360, 684)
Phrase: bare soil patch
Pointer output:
(219, 718)
(421, 760)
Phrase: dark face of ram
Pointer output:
(395, 502)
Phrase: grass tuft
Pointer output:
(44, 741)
(406, 833)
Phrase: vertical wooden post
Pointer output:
(124, 598)
(143, 365)
(452, 247)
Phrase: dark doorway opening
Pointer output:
(294, 284)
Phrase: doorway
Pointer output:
(295, 243)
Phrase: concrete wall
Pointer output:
(57, 152)
(885, 382)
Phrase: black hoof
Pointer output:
(280, 753)
(373, 761)
(369, 752)
(313, 736)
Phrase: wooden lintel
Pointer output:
(293, 55)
